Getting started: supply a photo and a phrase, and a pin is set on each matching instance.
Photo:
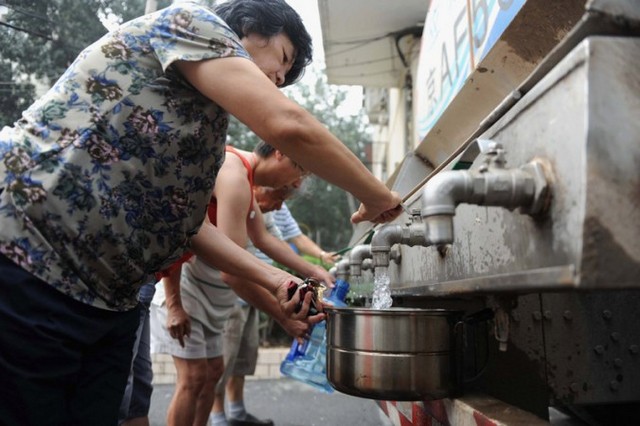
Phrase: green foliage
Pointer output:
(239, 136)
(41, 38)
(324, 210)
(310, 259)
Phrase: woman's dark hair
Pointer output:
(269, 18)
(263, 149)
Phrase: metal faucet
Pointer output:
(356, 257)
(341, 269)
(360, 258)
(367, 264)
(492, 184)
(412, 234)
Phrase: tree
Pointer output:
(40, 39)
(323, 210)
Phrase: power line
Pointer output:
(26, 12)
(10, 83)
(24, 30)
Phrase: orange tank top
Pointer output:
(212, 210)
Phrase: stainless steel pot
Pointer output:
(395, 354)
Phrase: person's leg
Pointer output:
(196, 378)
(245, 365)
(124, 411)
(235, 397)
(141, 375)
(207, 393)
(190, 362)
(196, 364)
(232, 337)
(103, 377)
(50, 345)
(235, 388)
(191, 378)
(142, 384)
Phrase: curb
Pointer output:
(268, 366)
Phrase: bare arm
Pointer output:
(282, 253)
(178, 321)
(266, 302)
(226, 250)
(245, 92)
(217, 250)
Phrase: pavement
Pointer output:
(289, 403)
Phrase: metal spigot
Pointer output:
(413, 233)
(367, 264)
(357, 255)
(491, 184)
(342, 269)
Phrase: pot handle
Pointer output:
(474, 318)
(485, 314)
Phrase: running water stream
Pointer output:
(381, 290)
(356, 287)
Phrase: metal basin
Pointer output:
(393, 354)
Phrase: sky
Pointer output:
(308, 11)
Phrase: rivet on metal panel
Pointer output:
(634, 349)
(614, 385)
(615, 336)
(599, 349)
(574, 387)
(606, 314)
(547, 315)
(567, 315)
(617, 362)
(537, 316)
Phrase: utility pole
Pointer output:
(151, 6)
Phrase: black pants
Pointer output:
(62, 362)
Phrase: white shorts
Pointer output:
(202, 343)
(207, 300)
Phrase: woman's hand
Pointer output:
(289, 306)
(323, 276)
(380, 212)
(329, 258)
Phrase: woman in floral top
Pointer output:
(105, 181)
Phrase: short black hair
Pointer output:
(264, 150)
(269, 18)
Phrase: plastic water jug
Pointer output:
(306, 361)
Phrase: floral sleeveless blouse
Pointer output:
(106, 177)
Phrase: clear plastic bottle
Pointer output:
(306, 361)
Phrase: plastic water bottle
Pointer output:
(307, 361)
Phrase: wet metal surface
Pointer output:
(590, 238)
